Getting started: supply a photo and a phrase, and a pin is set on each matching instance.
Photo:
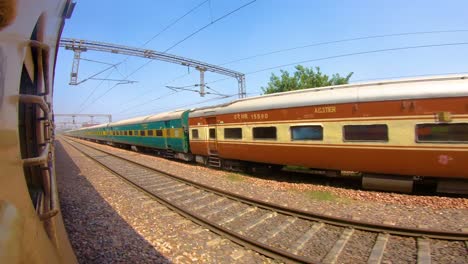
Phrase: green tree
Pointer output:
(303, 78)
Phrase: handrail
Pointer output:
(35, 99)
(43, 158)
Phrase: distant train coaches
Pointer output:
(416, 127)
(166, 133)
(412, 127)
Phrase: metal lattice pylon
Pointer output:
(79, 46)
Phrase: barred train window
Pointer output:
(365, 133)
(130, 133)
(195, 133)
(125, 133)
(233, 133)
(264, 132)
(142, 133)
(159, 133)
(442, 132)
(150, 133)
(212, 132)
(307, 133)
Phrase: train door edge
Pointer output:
(212, 136)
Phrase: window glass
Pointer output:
(307, 133)
(125, 133)
(195, 133)
(365, 132)
(130, 133)
(159, 133)
(233, 133)
(212, 133)
(150, 133)
(264, 132)
(142, 133)
(442, 132)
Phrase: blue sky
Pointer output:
(264, 26)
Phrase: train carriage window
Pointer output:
(457, 132)
(142, 133)
(365, 133)
(233, 133)
(130, 133)
(195, 133)
(150, 133)
(212, 133)
(307, 133)
(159, 133)
(264, 133)
(125, 132)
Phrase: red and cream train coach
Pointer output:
(393, 131)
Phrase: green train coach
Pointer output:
(96, 133)
(165, 133)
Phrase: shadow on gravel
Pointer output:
(96, 231)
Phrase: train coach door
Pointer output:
(212, 137)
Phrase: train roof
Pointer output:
(411, 88)
(150, 118)
(92, 127)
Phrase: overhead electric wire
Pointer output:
(349, 55)
(175, 22)
(179, 42)
(409, 76)
(360, 53)
(96, 61)
(209, 24)
(96, 74)
(194, 33)
(181, 106)
(346, 40)
(81, 107)
(148, 91)
(160, 32)
(147, 102)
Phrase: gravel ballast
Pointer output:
(108, 221)
(138, 214)
(425, 211)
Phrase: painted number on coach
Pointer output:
(325, 109)
(261, 116)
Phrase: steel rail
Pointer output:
(343, 222)
(224, 232)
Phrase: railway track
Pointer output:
(282, 233)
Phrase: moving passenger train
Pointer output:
(393, 132)
(31, 226)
